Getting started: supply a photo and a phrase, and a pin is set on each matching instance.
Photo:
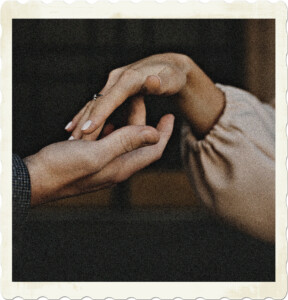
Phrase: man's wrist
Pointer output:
(35, 178)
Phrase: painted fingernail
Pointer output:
(86, 125)
(68, 125)
(71, 138)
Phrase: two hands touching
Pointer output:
(76, 167)
(83, 164)
(168, 74)
(97, 156)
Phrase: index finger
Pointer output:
(129, 84)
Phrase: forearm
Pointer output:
(200, 101)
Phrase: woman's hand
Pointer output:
(164, 75)
(76, 167)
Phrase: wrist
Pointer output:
(36, 172)
(200, 101)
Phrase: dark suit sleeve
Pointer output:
(21, 190)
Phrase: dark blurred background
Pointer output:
(150, 228)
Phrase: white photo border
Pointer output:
(145, 290)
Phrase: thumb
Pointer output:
(124, 140)
(152, 85)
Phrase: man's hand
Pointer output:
(164, 75)
(75, 167)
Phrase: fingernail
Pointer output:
(71, 138)
(68, 125)
(86, 125)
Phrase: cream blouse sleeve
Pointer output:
(233, 168)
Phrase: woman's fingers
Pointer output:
(129, 84)
(152, 85)
(149, 76)
(72, 124)
(168, 81)
(137, 116)
(112, 79)
(137, 113)
(93, 135)
(82, 122)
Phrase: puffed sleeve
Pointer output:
(232, 169)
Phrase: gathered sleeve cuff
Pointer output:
(232, 169)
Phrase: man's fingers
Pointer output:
(128, 164)
(122, 141)
(165, 126)
(137, 114)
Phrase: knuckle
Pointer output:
(130, 74)
(126, 143)
(114, 73)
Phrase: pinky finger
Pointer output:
(137, 114)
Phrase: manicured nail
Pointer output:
(68, 125)
(71, 138)
(86, 125)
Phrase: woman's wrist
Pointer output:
(201, 102)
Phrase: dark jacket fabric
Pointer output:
(21, 191)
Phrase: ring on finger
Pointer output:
(95, 96)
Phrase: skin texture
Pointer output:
(84, 164)
(164, 75)
(169, 74)
(78, 166)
